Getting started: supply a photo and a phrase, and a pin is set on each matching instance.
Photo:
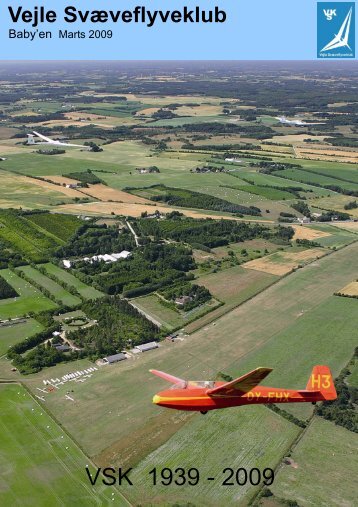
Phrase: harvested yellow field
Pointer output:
(22, 191)
(351, 289)
(147, 112)
(134, 210)
(295, 138)
(302, 232)
(104, 193)
(201, 110)
(70, 192)
(349, 226)
(331, 155)
(281, 263)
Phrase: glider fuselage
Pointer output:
(197, 399)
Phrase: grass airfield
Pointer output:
(40, 461)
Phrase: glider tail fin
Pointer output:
(321, 380)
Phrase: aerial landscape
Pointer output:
(199, 218)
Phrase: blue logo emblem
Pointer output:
(335, 29)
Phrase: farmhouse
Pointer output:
(304, 220)
(115, 358)
(182, 300)
(147, 346)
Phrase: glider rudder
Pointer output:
(321, 380)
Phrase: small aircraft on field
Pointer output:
(202, 396)
(48, 141)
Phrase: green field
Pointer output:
(86, 291)
(232, 286)
(338, 237)
(54, 288)
(267, 179)
(269, 193)
(320, 333)
(30, 300)
(62, 226)
(25, 237)
(168, 317)
(312, 177)
(9, 335)
(211, 444)
(326, 458)
(40, 465)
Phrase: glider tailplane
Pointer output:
(166, 376)
(321, 380)
(242, 384)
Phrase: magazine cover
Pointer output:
(178, 253)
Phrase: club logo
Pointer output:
(335, 30)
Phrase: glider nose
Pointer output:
(156, 399)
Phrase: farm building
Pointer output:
(115, 358)
(66, 263)
(235, 160)
(114, 257)
(304, 220)
(61, 348)
(147, 346)
(182, 300)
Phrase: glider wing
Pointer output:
(166, 376)
(242, 384)
(43, 137)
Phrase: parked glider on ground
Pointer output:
(202, 396)
(47, 140)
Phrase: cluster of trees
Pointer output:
(190, 199)
(86, 177)
(308, 243)
(120, 326)
(351, 205)
(54, 151)
(96, 239)
(209, 233)
(32, 354)
(343, 410)
(93, 146)
(151, 267)
(198, 294)
(327, 216)
(40, 357)
(8, 257)
(346, 141)
(301, 207)
(6, 290)
(164, 114)
(270, 167)
(39, 118)
(257, 131)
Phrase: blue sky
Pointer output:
(254, 30)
